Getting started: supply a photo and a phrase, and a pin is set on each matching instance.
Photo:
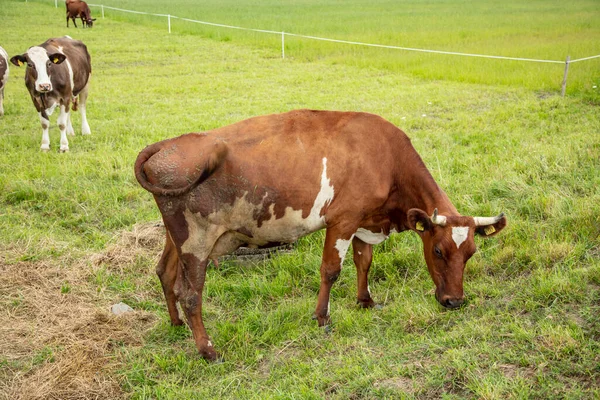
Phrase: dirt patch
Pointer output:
(398, 383)
(58, 339)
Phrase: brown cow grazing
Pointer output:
(275, 178)
(78, 8)
(3, 77)
(58, 71)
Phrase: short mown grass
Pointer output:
(78, 234)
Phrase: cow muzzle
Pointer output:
(44, 87)
(450, 302)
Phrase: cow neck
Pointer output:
(418, 189)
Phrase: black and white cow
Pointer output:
(58, 71)
(3, 76)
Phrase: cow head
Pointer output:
(448, 243)
(90, 22)
(39, 65)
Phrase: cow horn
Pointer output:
(485, 221)
(438, 219)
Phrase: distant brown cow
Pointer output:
(78, 8)
(3, 77)
(275, 178)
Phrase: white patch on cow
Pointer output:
(370, 237)
(460, 234)
(71, 81)
(205, 232)
(360, 253)
(369, 289)
(4, 55)
(51, 109)
(341, 246)
(209, 344)
(324, 196)
(45, 133)
(328, 307)
(39, 57)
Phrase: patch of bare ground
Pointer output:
(401, 384)
(57, 335)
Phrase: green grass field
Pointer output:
(78, 234)
(546, 30)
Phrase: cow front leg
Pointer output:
(70, 130)
(83, 95)
(45, 133)
(363, 256)
(62, 126)
(166, 269)
(192, 274)
(1, 102)
(334, 251)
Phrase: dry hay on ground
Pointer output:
(58, 339)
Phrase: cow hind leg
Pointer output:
(192, 273)
(166, 269)
(83, 95)
(337, 242)
(194, 246)
(363, 256)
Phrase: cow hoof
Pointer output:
(177, 322)
(322, 321)
(64, 150)
(366, 303)
(210, 355)
(45, 150)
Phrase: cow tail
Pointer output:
(214, 160)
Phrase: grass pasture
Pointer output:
(78, 234)
(544, 30)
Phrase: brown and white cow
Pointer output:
(3, 77)
(275, 178)
(58, 72)
(79, 9)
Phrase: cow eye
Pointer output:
(438, 252)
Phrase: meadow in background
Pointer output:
(78, 234)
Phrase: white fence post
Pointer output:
(169, 20)
(56, 3)
(564, 82)
(282, 44)
(102, 11)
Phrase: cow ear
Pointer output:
(418, 220)
(492, 228)
(57, 58)
(18, 60)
